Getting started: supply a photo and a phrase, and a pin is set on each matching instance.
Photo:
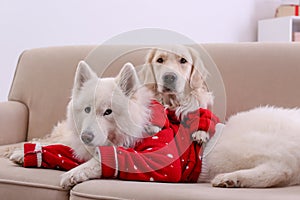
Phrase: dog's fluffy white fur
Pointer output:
(110, 101)
(257, 148)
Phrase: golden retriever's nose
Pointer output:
(169, 78)
(87, 137)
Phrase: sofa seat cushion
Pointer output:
(28, 183)
(115, 189)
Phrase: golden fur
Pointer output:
(188, 91)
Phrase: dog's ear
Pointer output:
(127, 79)
(199, 72)
(146, 71)
(150, 55)
(82, 75)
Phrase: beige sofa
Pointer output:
(254, 74)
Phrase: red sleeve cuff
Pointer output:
(32, 155)
(201, 119)
(50, 157)
(109, 162)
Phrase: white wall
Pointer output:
(34, 23)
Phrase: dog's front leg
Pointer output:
(88, 170)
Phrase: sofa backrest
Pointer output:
(258, 74)
(254, 74)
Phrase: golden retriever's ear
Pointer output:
(150, 56)
(199, 72)
(146, 71)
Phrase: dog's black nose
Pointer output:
(169, 78)
(87, 137)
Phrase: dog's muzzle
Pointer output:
(169, 82)
(87, 137)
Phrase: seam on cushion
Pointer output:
(32, 184)
(97, 197)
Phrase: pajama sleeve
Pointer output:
(155, 159)
(51, 157)
(201, 119)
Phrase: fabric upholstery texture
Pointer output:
(106, 189)
(25, 183)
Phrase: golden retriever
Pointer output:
(177, 75)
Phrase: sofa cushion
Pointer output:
(114, 189)
(27, 183)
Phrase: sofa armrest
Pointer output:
(13, 122)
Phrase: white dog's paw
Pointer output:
(72, 177)
(227, 180)
(17, 156)
(152, 129)
(200, 137)
(88, 170)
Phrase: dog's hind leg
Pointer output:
(261, 176)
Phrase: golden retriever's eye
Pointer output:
(107, 112)
(87, 109)
(160, 60)
(183, 60)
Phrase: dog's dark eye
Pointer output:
(160, 60)
(107, 112)
(87, 109)
(183, 60)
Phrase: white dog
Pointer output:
(100, 113)
(99, 110)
